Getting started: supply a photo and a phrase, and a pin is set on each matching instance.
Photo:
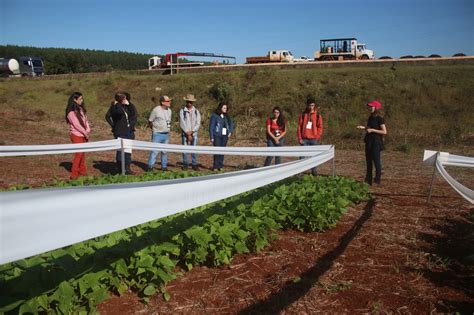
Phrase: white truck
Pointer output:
(342, 49)
(273, 56)
(303, 59)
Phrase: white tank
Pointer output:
(9, 66)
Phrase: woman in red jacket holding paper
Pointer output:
(79, 131)
(310, 126)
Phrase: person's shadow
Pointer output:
(67, 166)
(106, 167)
(110, 167)
(143, 166)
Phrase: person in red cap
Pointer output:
(374, 131)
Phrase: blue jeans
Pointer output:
(158, 137)
(219, 141)
(193, 155)
(311, 142)
(272, 143)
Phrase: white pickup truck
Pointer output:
(303, 59)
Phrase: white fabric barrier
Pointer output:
(23, 150)
(40, 220)
(440, 159)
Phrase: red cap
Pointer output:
(375, 104)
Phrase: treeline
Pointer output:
(66, 60)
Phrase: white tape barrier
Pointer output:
(40, 220)
(440, 159)
(304, 151)
(23, 150)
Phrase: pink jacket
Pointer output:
(75, 126)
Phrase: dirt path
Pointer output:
(396, 253)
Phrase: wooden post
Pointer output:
(122, 153)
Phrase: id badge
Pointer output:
(224, 131)
(168, 124)
(309, 125)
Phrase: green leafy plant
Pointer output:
(144, 258)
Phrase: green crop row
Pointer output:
(145, 257)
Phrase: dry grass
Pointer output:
(422, 104)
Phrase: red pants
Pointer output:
(79, 162)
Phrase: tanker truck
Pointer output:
(9, 67)
(25, 66)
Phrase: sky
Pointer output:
(240, 28)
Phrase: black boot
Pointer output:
(119, 167)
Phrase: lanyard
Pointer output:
(126, 116)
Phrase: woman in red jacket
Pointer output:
(310, 127)
(79, 130)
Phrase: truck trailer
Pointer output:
(25, 66)
(172, 60)
(273, 56)
(342, 49)
(9, 67)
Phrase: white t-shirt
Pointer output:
(161, 119)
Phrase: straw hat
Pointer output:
(189, 98)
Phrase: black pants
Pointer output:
(372, 157)
(219, 141)
(128, 156)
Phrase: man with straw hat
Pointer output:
(189, 121)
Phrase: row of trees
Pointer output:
(66, 60)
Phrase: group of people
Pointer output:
(122, 117)
(221, 127)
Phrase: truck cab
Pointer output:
(363, 53)
(280, 56)
(154, 62)
(31, 66)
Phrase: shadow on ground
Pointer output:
(66, 165)
(278, 301)
(106, 167)
(450, 261)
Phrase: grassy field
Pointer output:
(423, 105)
